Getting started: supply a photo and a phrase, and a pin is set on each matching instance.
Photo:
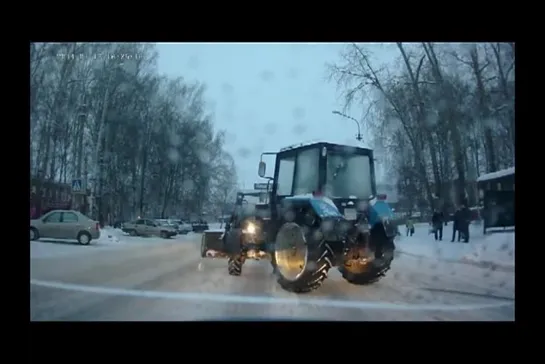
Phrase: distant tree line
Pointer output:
(440, 116)
(143, 143)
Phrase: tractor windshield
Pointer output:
(348, 175)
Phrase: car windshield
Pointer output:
(375, 181)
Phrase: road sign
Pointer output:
(77, 186)
(262, 186)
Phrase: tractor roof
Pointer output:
(350, 144)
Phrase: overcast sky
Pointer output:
(267, 96)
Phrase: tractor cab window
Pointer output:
(307, 171)
(286, 170)
(348, 175)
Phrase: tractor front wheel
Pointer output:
(234, 265)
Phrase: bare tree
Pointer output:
(138, 140)
(441, 114)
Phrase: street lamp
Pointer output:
(358, 136)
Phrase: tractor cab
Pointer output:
(344, 174)
(252, 203)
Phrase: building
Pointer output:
(48, 195)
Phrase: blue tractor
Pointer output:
(322, 212)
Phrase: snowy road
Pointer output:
(167, 280)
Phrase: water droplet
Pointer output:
(298, 113)
(193, 62)
(299, 129)
(173, 155)
(244, 152)
(227, 88)
(174, 139)
(270, 128)
(188, 185)
(266, 75)
(327, 225)
(203, 155)
(289, 216)
(293, 73)
(230, 138)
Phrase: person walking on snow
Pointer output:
(456, 225)
(463, 223)
(410, 227)
(437, 224)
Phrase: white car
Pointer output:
(184, 227)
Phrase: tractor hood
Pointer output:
(348, 208)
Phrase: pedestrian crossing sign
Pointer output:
(77, 186)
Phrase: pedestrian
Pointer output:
(410, 227)
(437, 223)
(465, 221)
(456, 225)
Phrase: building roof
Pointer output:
(497, 174)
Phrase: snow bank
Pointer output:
(495, 248)
(109, 235)
(115, 237)
(216, 226)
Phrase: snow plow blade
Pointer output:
(212, 244)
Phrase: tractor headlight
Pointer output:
(250, 228)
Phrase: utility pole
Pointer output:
(97, 186)
(358, 136)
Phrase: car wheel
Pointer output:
(133, 233)
(84, 238)
(34, 235)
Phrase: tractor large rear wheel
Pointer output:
(363, 274)
(301, 264)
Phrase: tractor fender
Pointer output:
(380, 214)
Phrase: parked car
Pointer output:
(117, 224)
(65, 224)
(168, 222)
(184, 227)
(199, 226)
(148, 227)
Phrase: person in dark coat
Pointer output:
(437, 223)
(463, 223)
(456, 225)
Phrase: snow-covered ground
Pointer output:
(495, 248)
(110, 238)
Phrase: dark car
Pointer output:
(118, 224)
(199, 226)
